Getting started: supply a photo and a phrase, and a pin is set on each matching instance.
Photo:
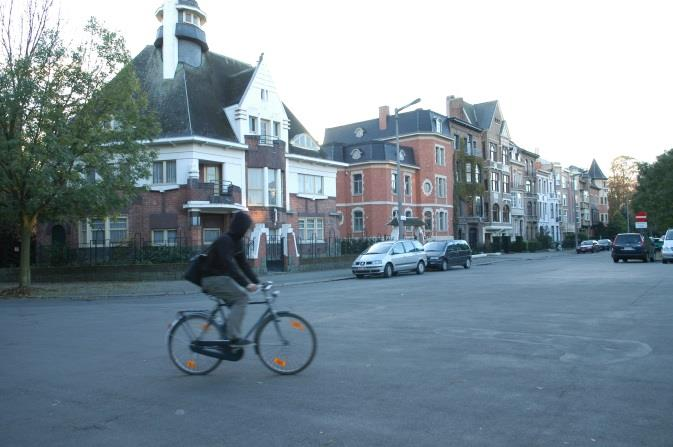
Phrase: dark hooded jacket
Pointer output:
(226, 256)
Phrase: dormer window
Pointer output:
(438, 125)
(190, 17)
(305, 141)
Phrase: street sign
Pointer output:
(641, 225)
(641, 216)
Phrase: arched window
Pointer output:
(358, 221)
(496, 213)
(505, 213)
(427, 217)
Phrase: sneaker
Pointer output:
(239, 342)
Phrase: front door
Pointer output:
(211, 173)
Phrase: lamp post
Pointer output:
(399, 183)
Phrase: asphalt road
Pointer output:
(566, 350)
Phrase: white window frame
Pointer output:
(442, 220)
(303, 229)
(353, 228)
(441, 186)
(164, 180)
(362, 184)
(256, 190)
(311, 184)
(86, 231)
(407, 182)
(165, 240)
(440, 155)
(252, 125)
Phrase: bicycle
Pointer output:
(284, 341)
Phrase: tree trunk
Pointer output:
(27, 226)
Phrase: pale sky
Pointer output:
(576, 80)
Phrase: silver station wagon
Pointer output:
(391, 257)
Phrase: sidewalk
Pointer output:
(109, 289)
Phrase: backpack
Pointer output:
(197, 265)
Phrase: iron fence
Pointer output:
(334, 246)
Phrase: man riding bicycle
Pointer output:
(228, 276)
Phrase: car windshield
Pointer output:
(628, 239)
(379, 248)
(669, 235)
(587, 243)
(434, 246)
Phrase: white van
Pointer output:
(667, 248)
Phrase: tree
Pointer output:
(622, 184)
(654, 194)
(73, 120)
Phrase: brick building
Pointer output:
(228, 143)
(368, 188)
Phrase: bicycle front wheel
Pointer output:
(180, 337)
(285, 344)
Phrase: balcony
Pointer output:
(215, 196)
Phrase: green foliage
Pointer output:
(654, 193)
(518, 246)
(57, 103)
(617, 224)
(544, 241)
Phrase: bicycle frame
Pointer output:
(219, 309)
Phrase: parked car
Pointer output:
(590, 246)
(389, 258)
(443, 254)
(667, 247)
(632, 246)
(605, 244)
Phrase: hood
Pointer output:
(239, 225)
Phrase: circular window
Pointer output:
(427, 187)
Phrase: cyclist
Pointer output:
(228, 276)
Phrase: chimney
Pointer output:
(384, 112)
(454, 107)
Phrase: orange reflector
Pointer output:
(280, 362)
(205, 326)
(191, 364)
(297, 325)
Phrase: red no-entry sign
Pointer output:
(641, 216)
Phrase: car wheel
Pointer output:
(615, 260)
(388, 271)
(663, 261)
(445, 265)
(420, 268)
(359, 276)
(645, 259)
(468, 263)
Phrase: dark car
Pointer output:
(632, 246)
(605, 244)
(589, 246)
(443, 254)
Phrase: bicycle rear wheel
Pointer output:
(286, 344)
(180, 337)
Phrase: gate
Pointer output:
(274, 254)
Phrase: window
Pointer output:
(438, 125)
(311, 229)
(441, 187)
(189, 17)
(164, 238)
(310, 184)
(427, 217)
(529, 186)
(468, 172)
(442, 220)
(427, 187)
(439, 156)
(393, 182)
(264, 94)
(103, 231)
(478, 206)
(493, 152)
(276, 129)
(529, 209)
(495, 181)
(252, 124)
(275, 188)
(505, 214)
(505, 183)
(163, 172)
(358, 221)
(477, 174)
(265, 132)
(255, 186)
(210, 235)
(496, 212)
(305, 141)
(407, 185)
(357, 184)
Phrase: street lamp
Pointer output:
(399, 182)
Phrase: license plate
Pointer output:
(628, 248)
